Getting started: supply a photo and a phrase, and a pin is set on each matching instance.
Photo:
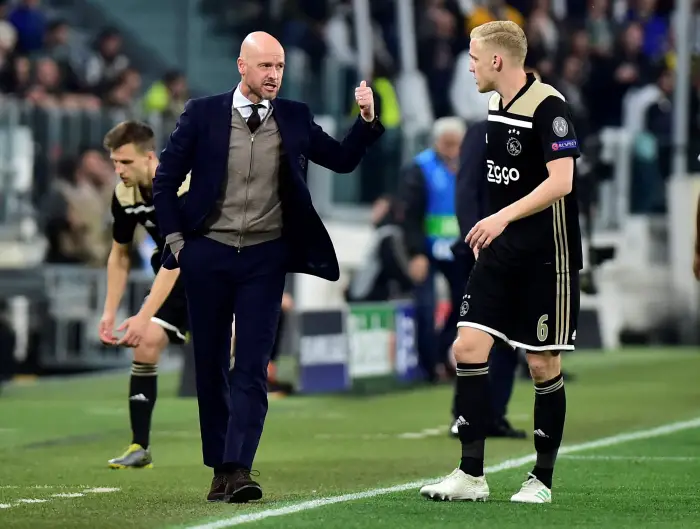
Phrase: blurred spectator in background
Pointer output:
(49, 90)
(107, 62)
(30, 23)
(8, 37)
(16, 76)
(67, 54)
(65, 226)
(569, 84)
(384, 275)
(440, 37)
(76, 210)
(430, 225)
(167, 96)
(305, 29)
(615, 75)
(696, 261)
(542, 40)
(655, 27)
(123, 92)
(491, 10)
(600, 28)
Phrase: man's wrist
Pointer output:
(144, 314)
(506, 214)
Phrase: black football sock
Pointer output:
(473, 415)
(550, 414)
(143, 390)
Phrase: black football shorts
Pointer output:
(172, 316)
(535, 308)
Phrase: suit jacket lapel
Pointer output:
(220, 123)
(288, 134)
(282, 123)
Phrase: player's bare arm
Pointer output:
(118, 265)
(555, 187)
(134, 328)
(696, 261)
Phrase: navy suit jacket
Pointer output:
(471, 196)
(200, 144)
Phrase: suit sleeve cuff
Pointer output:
(176, 241)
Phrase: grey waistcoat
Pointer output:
(249, 211)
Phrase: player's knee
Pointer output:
(543, 366)
(152, 343)
(472, 346)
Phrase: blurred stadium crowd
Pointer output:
(70, 82)
(594, 52)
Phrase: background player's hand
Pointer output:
(134, 329)
(485, 231)
(106, 330)
(287, 302)
(696, 265)
(418, 268)
(365, 100)
(476, 253)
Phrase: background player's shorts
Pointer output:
(536, 309)
(172, 316)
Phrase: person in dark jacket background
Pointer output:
(384, 274)
(471, 205)
(430, 228)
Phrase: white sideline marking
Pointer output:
(632, 458)
(505, 465)
(29, 501)
(68, 495)
(426, 432)
(46, 487)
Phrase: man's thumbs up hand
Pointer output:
(365, 100)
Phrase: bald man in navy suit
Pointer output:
(248, 220)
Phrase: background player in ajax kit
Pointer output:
(523, 289)
(163, 317)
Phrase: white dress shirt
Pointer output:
(244, 105)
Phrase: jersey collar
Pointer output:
(530, 80)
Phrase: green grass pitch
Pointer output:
(323, 459)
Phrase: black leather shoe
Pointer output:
(218, 488)
(240, 488)
(502, 428)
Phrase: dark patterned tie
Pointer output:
(254, 119)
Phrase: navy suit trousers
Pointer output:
(221, 281)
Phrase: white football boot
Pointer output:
(533, 491)
(458, 486)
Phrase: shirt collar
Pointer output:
(241, 101)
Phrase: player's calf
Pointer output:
(550, 414)
(143, 392)
(473, 403)
(143, 388)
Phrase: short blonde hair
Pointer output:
(504, 34)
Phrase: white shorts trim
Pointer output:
(169, 326)
(486, 329)
(540, 348)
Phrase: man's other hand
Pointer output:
(134, 329)
(106, 330)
